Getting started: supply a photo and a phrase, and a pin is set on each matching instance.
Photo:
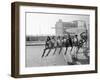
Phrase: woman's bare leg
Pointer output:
(55, 50)
(66, 50)
(71, 49)
(60, 50)
(48, 52)
(44, 52)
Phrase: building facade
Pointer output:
(73, 27)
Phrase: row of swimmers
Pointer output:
(62, 41)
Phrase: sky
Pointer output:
(42, 24)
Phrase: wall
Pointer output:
(5, 40)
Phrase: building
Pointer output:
(74, 27)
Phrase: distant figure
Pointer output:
(63, 41)
(47, 45)
(75, 45)
(84, 36)
(68, 43)
(59, 43)
(84, 39)
(53, 44)
(70, 40)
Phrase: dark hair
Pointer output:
(53, 37)
(48, 38)
(76, 35)
(58, 37)
(63, 37)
